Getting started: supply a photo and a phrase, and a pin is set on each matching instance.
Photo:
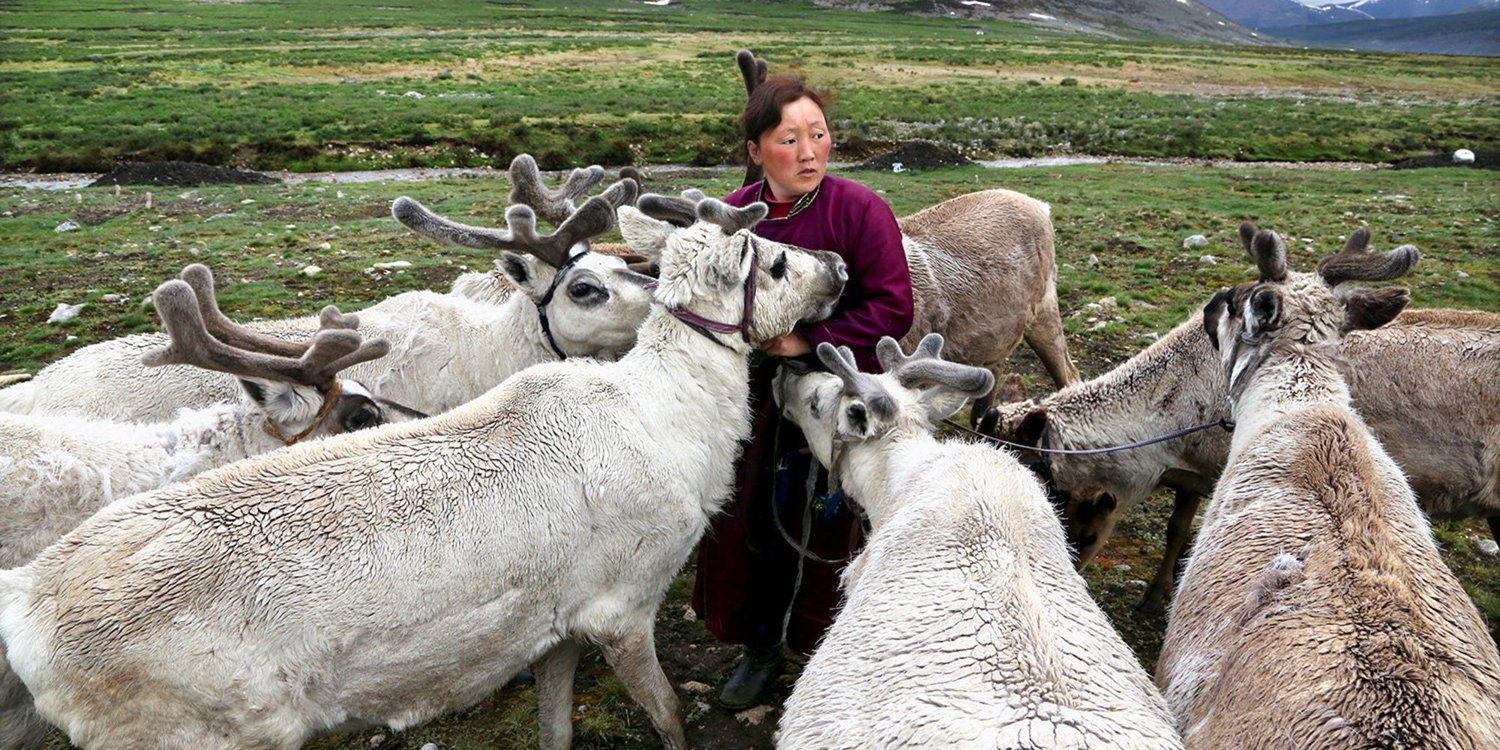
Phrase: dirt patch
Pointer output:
(1482, 160)
(915, 155)
(180, 174)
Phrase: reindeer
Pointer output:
(445, 349)
(57, 471)
(1445, 434)
(1315, 611)
(964, 624)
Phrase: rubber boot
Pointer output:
(758, 667)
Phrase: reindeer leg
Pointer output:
(1179, 530)
(1045, 337)
(632, 655)
(554, 694)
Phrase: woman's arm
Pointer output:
(877, 300)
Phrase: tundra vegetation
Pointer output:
(258, 86)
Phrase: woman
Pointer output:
(753, 586)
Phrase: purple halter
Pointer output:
(704, 325)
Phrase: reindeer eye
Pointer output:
(816, 405)
(583, 290)
(778, 269)
(365, 416)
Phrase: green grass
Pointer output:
(1130, 219)
(306, 86)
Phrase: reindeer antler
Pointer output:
(330, 350)
(926, 368)
(1269, 253)
(678, 211)
(201, 281)
(594, 218)
(753, 70)
(553, 205)
(1356, 263)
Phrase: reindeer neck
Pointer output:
(1292, 377)
(686, 372)
(869, 470)
(214, 436)
(1161, 388)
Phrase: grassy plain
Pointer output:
(1120, 232)
(330, 85)
(310, 86)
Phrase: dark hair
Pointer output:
(763, 106)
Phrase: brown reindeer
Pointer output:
(1315, 611)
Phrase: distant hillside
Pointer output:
(1265, 14)
(1179, 19)
(1387, 9)
(1476, 33)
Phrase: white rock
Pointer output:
(113, 298)
(897, 166)
(1108, 303)
(67, 226)
(325, 246)
(695, 687)
(71, 337)
(1093, 260)
(1463, 156)
(1461, 274)
(1123, 568)
(393, 264)
(430, 746)
(64, 312)
(247, 201)
(1487, 547)
(415, 95)
(312, 270)
(1196, 240)
(1208, 260)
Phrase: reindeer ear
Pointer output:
(1213, 312)
(1262, 311)
(1371, 308)
(854, 421)
(518, 269)
(1029, 432)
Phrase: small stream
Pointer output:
(75, 180)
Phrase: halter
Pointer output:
(329, 399)
(704, 325)
(541, 304)
(1227, 425)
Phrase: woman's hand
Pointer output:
(789, 345)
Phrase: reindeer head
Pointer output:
(1313, 310)
(845, 405)
(295, 385)
(590, 303)
(716, 265)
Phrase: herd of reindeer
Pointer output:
(237, 535)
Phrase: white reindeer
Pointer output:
(387, 577)
(964, 624)
(1315, 612)
(57, 471)
(445, 349)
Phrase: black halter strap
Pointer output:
(541, 304)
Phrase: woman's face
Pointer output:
(794, 153)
